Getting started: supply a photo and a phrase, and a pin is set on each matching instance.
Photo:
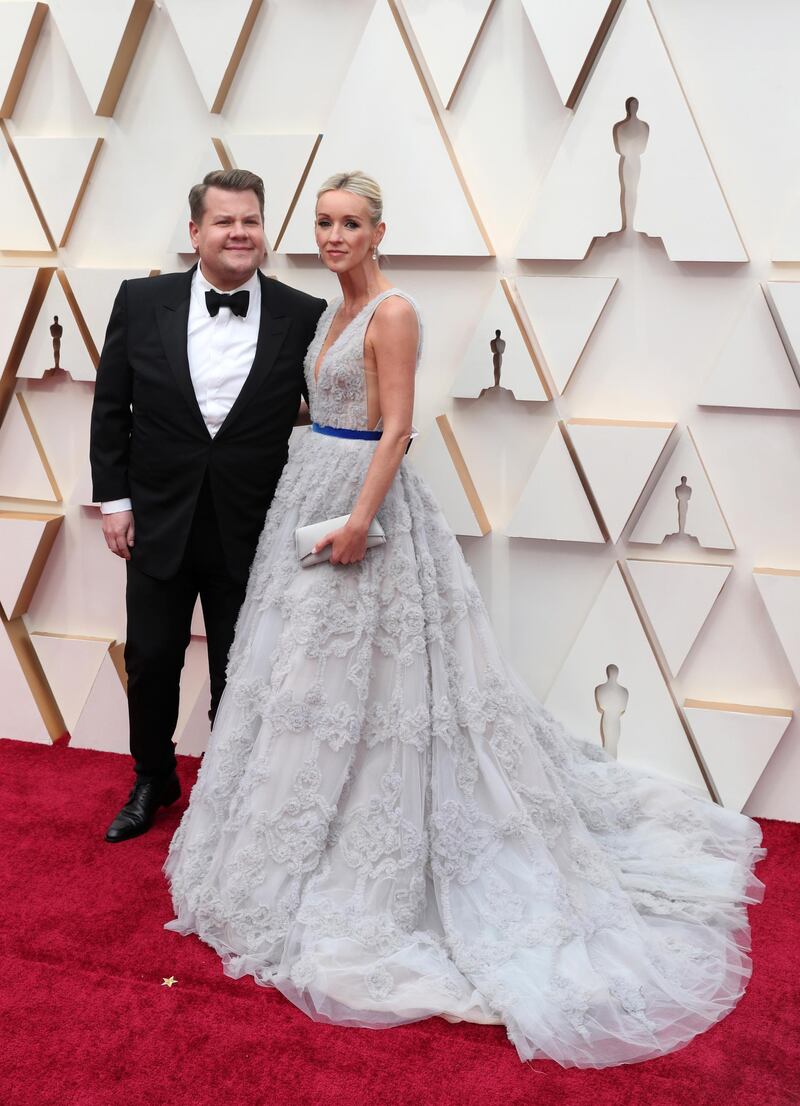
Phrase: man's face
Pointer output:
(229, 238)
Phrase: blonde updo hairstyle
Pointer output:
(359, 184)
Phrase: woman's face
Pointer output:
(344, 230)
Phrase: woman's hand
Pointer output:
(348, 545)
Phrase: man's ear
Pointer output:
(194, 230)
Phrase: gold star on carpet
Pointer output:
(168, 981)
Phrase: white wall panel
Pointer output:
(563, 312)
(446, 31)
(651, 731)
(736, 743)
(677, 597)
(20, 227)
(753, 368)
(71, 665)
(499, 335)
(58, 170)
(617, 457)
(679, 198)
(39, 356)
(430, 212)
(21, 718)
(282, 161)
(214, 39)
(683, 504)
(780, 590)
(568, 35)
(20, 24)
(24, 469)
(101, 37)
(553, 504)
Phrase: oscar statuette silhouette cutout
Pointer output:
(497, 346)
(56, 333)
(611, 699)
(683, 493)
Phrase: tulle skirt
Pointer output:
(387, 825)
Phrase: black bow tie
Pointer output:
(237, 301)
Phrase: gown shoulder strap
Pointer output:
(373, 307)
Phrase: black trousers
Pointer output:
(159, 629)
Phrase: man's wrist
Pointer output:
(112, 506)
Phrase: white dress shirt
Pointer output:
(221, 349)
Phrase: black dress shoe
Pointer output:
(137, 815)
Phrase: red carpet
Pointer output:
(87, 1022)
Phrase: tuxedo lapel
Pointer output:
(173, 324)
(272, 331)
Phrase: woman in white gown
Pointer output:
(387, 825)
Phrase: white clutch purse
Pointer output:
(306, 537)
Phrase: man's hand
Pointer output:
(118, 532)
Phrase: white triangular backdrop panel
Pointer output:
(16, 285)
(430, 211)
(753, 368)
(280, 160)
(780, 591)
(652, 734)
(23, 474)
(517, 369)
(20, 228)
(563, 312)
(736, 745)
(21, 718)
(39, 355)
(103, 722)
(617, 457)
(20, 24)
(95, 291)
(210, 36)
(447, 31)
(20, 539)
(566, 34)
(677, 597)
(659, 520)
(430, 455)
(553, 504)
(785, 298)
(71, 665)
(99, 55)
(679, 198)
(180, 242)
(58, 170)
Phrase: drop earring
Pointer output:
(374, 253)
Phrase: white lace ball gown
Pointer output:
(387, 825)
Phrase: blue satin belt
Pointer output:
(341, 432)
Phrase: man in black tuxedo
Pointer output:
(198, 388)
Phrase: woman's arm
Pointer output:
(303, 416)
(393, 339)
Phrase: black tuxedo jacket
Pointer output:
(149, 441)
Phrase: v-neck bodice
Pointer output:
(338, 395)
